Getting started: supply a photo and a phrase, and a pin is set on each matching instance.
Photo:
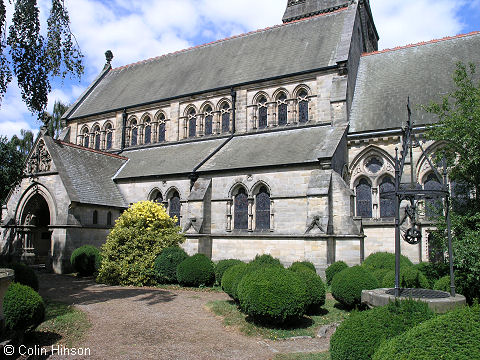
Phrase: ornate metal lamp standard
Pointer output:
(413, 193)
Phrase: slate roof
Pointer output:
(304, 8)
(286, 49)
(422, 71)
(296, 146)
(87, 174)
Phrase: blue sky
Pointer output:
(135, 30)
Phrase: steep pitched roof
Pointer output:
(291, 48)
(87, 174)
(298, 9)
(422, 71)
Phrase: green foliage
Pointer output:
(23, 308)
(442, 284)
(86, 260)
(385, 260)
(25, 275)
(432, 271)
(297, 267)
(197, 270)
(272, 295)
(166, 264)
(347, 285)
(379, 274)
(453, 336)
(138, 237)
(25, 143)
(231, 278)
(34, 60)
(222, 266)
(54, 120)
(334, 269)
(362, 333)
(11, 167)
(265, 259)
(409, 278)
(308, 264)
(315, 288)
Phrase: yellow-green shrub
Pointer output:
(138, 237)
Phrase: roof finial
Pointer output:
(108, 57)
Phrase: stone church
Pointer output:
(278, 141)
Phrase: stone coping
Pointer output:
(379, 297)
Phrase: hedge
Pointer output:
(23, 308)
(265, 259)
(25, 275)
(272, 295)
(197, 270)
(166, 264)
(362, 333)
(297, 267)
(222, 266)
(453, 336)
(442, 284)
(409, 278)
(432, 271)
(334, 269)
(315, 289)
(86, 260)
(385, 260)
(307, 264)
(347, 285)
(231, 278)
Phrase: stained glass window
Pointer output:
(109, 218)
(95, 217)
(157, 197)
(86, 137)
(374, 165)
(241, 210)
(302, 106)
(109, 137)
(433, 207)
(192, 124)
(282, 109)
(387, 206)
(262, 113)
(148, 132)
(161, 132)
(208, 121)
(134, 138)
(364, 199)
(174, 208)
(262, 209)
(225, 118)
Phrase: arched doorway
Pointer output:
(36, 237)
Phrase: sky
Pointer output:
(136, 30)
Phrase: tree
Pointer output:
(11, 167)
(25, 143)
(33, 60)
(54, 120)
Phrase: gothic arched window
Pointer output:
(95, 217)
(96, 132)
(225, 118)
(174, 206)
(282, 109)
(262, 112)
(134, 131)
(262, 209)
(192, 123)
(364, 198)
(147, 131)
(85, 137)
(157, 197)
(109, 218)
(387, 206)
(208, 120)
(161, 128)
(302, 106)
(433, 207)
(374, 165)
(240, 209)
(109, 136)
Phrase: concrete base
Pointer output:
(379, 297)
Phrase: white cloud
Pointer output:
(10, 128)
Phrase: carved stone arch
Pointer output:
(145, 116)
(170, 191)
(95, 126)
(423, 167)
(222, 102)
(158, 115)
(105, 125)
(235, 187)
(301, 87)
(152, 195)
(29, 193)
(258, 95)
(131, 119)
(82, 129)
(280, 91)
(205, 105)
(256, 188)
(189, 108)
(357, 168)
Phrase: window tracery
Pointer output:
(240, 208)
(147, 131)
(161, 128)
(262, 112)
(108, 136)
(192, 123)
(96, 137)
(174, 206)
(282, 109)
(302, 100)
(387, 206)
(85, 137)
(364, 198)
(262, 209)
(208, 120)
(134, 132)
(225, 113)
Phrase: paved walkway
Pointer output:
(146, 323)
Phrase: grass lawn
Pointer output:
(308, 326)
(303, 356)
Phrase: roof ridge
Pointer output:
(422, 43)
(89, 149)
(228, 38)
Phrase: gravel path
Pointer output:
(149, 323)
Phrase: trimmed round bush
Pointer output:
(432, 271)
(222, 266)
(380, 274)
(266, 259)
(385, 260)
(86, 260)
(315, 289)
(334, 269)
(443, 284)
(166, 264)
(231, 278)
(409, 278)
(308, 264)
(297, 267)
(25, 275)
(453, 336)
(362, 333)
(197, 270)
(23, 308)
(348, 284)
(272, 295)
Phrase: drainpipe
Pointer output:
(124, 125)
